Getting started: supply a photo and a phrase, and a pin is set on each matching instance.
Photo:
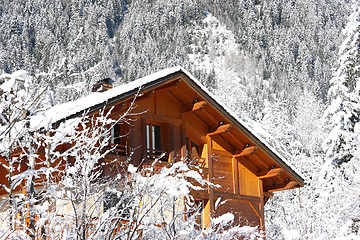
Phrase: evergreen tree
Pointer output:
(338, 177)
(342, 114)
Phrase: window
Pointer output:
(118, 139)
(153, 141)
(115, 134)
(157, 137)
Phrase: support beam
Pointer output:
(209, 160)
(224, 143)
(256, 209)
(235, 176)
(221, 129)
(282, 186)
(246, 151)
(261, 205)
(267, 196)
(271, 173)
(174, 97)
(210, 117)
(198, 105)
(236, 139)
(228, 195)
(260, 162)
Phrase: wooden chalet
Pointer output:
(179, 117)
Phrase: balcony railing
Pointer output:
(116, 149)
(153, 154)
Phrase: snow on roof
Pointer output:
(65, 110)
(68, 109)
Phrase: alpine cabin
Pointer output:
(178, 118)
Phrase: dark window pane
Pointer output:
(194, 147)
(117, 134)
(156, 137)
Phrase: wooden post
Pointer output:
(209, 160)
(261, 205)
(144, 140)
(235, 176)
(183, 138)
(171, 147)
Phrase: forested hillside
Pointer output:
(288, 67)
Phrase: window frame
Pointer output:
(157, 136)
(118, 139)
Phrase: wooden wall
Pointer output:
(239, 187)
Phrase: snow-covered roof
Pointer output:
(68, 109)
(96, 100)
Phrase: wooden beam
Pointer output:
(171, 143)
(198, 105)
(246, 151)
(202, 194)
(193, 114)
(271, 173)
(260, 162)
(162, 118)
(268, 194)
(256, 209)
(282, 186)
(209, 160)
(224, 143)
(183, 151)
(235, 176)
(231, 133)
(227, 195)
(261, 205)
(211, 117)
(221, 129)
(174, 97)
(143, 95)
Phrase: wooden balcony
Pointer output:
(117, 149)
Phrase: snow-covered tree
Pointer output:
(81, 195)
(19, 100)
(337, 177)
(342, 114)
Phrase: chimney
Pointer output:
(103, 85)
